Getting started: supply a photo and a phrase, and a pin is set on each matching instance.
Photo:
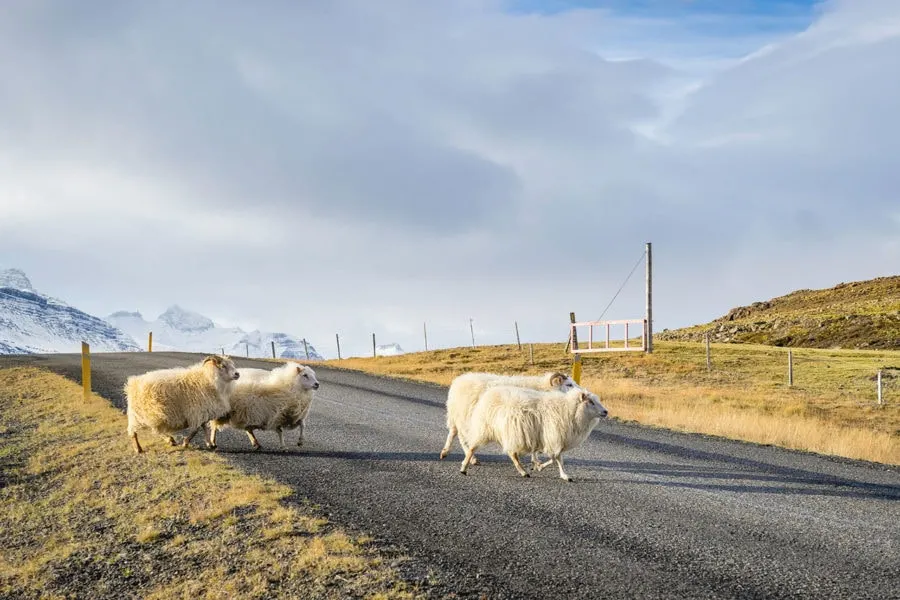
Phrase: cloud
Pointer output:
(350, 167)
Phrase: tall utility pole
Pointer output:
(649, 316)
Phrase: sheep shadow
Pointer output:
(600, 472)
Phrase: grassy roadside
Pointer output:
(830, 409)
(82, 515)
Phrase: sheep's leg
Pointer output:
(559, 463)
(446, 449)
(132, 433)
(281, 438)
(211, 442)
(300, 430)
(190, 436)
(541, 465)
(253, 439)
(515, 459)
(465, 447)
(468, 459)
(535, 461)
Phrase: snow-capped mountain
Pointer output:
(183, 330)
(34, 323)
(389, 350)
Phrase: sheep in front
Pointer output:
(528, 421)
(275, 400)
(467, 388)
(169, 400)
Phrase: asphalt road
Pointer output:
(652, 514)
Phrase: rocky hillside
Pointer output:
(32, 322)
(861, 315)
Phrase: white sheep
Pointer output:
(467, 388)
(275, 400)
(169, 400)
(523, 420)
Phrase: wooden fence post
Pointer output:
(573, 334)
(86, 371)
(374, 352)
(531, 347)
(576, 363)
(518, 341)
(150, 342)
(273, 348)
(337, 339)
(306, 348)
(247, 349)
(425, 333)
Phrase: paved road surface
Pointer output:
(653, 514)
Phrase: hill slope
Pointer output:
(858, 315)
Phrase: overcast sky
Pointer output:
(359, 166)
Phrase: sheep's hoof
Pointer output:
(474, 461)
(569, 479)
(462, 472)
(444, 454)
(172, 442)
(211, 446)
(525, 475)
(257, 447)
(300, 443)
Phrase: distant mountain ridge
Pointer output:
(34, 323)
(389, 350)
(183, 330)
(857, 315)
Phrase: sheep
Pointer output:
(169, 400)
(465, 390)
(523, 420)
(270, 400)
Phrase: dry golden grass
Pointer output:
(831, 408)
(81, 514)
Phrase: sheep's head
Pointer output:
(305, 378)
(591, 406)
(562, 382)
(224, 366)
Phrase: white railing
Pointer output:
(576, 348)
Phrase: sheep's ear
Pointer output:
(299, 369)
(557, 379)
(585, 396)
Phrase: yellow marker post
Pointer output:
(150, 342)
(86, 370)
(576, 369)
